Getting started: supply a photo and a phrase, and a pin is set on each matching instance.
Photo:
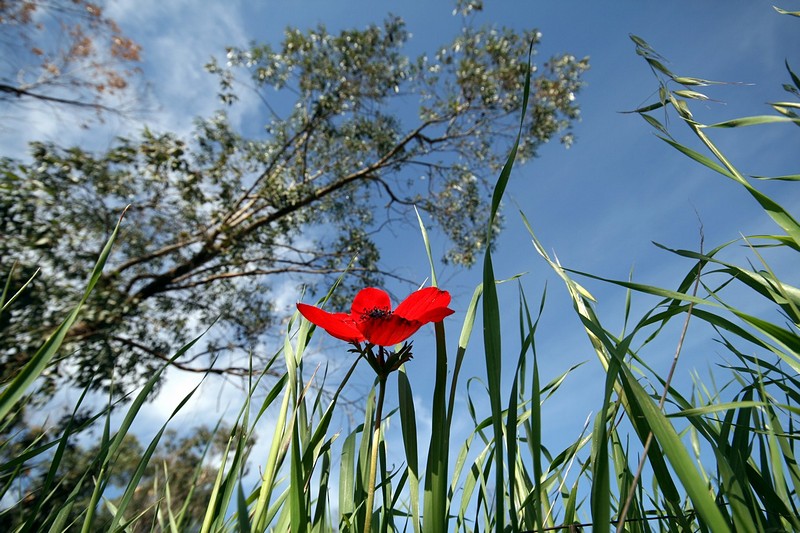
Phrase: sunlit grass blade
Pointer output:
(676, 453)
(226, 480)
(176, 520)
(511, 443)
(463, 341)
(39, 361)
(782, 456)
(493, 355)
(243, 521)
(752, 121)
(654, 122)
(435, 511)
(55, 463)
(473, 480)
(785, 12)
(636, 399)
(363, 462)
(321, 516)
(347, 478)
(491, 317)
(426, 242)
(533, 427)
(765, 282)
(408, 426)
(788, 177)
(4, 304)
(133, 484)
(435, 501)
(772, 208)
(297, 497)
(111, 445)
(36, 449)
(700, 158)
(284, 420)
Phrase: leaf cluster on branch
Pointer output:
(66, 53)
(355, 132)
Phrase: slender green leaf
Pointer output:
(784, 12)
(408, 425)
(26, 376)
(752, 121)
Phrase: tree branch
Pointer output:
(153, 255)
(266, 272)
(229, 371)
(19, 93)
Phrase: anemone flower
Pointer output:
(371, 318)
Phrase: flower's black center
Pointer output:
(377, 313)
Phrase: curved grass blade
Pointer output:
(6, 303)
(408, 426)
(792, 13)
(133, 484)
(110, 446)
(491, 312)
(54, 464)
(751, 121)
(14, 390)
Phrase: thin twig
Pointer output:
(20, 92)
(230, 371)
(629, 499)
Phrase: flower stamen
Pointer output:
(377, 313)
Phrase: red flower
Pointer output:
(371, 317)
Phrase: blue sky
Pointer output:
(598, 206)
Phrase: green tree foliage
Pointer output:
(355, 132)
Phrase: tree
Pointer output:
(64, 52)
(355, 133)
(179, 464)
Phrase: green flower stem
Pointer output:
(373, 461)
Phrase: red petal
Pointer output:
(435, 315)
(425, 305)
(339, 325)
(368, 300)
(388, 330)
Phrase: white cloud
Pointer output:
(181, 39)
(178, 40)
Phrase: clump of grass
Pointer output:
(655, 458)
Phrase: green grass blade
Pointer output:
(463, 341)
(435, 511)
(297, 496)
(752, 121)
(700, 158)
(427, 245)
(347, 478)
(791, 13)
(7, 303)
(408, 426)
(491, 314)
(114, 444)
(133, 484)
(435, 503)
(17, 387)
(678, 456)
(54, 463)
(493, 358)
(242, 520)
